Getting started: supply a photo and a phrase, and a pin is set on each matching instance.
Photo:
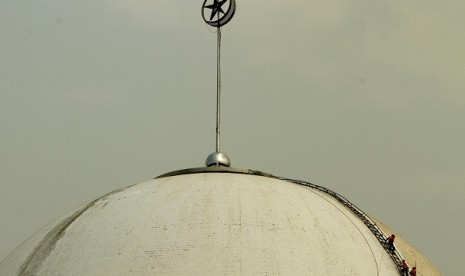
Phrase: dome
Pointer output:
(207, 221)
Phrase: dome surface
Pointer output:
(206, 223)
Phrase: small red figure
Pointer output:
(404, 269)
(390, 241)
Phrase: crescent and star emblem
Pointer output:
(217, 13)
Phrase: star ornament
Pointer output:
(215, 14)
(216, 8)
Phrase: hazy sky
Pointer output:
(364, 97)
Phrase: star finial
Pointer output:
(215, 13)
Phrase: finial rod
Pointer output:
(218, 90)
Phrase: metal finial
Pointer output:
(213, 14)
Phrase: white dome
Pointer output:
(206, 223)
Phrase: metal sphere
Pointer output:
(218, 159)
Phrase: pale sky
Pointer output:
(364, 97)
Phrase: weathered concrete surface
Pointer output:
(206, 224)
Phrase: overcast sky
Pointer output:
(364, 97)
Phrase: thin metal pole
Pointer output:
(218, 89)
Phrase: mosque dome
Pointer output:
(211, 221)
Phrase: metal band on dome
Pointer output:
(214, 169)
